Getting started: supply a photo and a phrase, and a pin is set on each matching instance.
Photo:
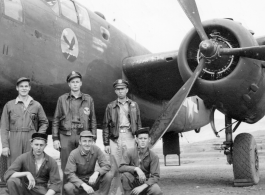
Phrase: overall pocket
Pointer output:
(13, 118)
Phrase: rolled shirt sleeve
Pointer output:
(15, 167)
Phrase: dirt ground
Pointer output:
(203, 170)
(206, 174)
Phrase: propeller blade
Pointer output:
(190, 8)
(256, 52)
(172, 109)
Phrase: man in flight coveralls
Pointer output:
(21, 118)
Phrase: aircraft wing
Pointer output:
(153, 76)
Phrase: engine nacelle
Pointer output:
(231, 84)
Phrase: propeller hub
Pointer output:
(208, 48)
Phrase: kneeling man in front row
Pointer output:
(140, 170)
(79, 170)
(31, 172)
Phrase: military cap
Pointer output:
(73, 75)
(120, 83)
(86, 134)
(22, 79)
(143, 130)
(39, 136)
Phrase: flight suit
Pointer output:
(148, 163)
(80, 167)
(18, 123)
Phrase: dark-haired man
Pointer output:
(31, 172)
(140, 170)
(121, 120)
(81, 176)
(21, 118)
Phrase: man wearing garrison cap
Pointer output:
(140, 170)
(80, 168)
(31, 172)
(121, 120)
(74, 113)
(21, 118)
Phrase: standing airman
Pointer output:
(21, 118)
(74, 113)
(121, 120)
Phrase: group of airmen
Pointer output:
(74, 132)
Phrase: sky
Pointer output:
(161, 25)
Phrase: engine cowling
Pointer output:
(229, 83)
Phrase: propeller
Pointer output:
(255, 52)
(209, 50)
(170, 112)
(190, 8)
(173, 107)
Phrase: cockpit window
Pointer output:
(83, 17)
(68, 10)
(53, 5)
(13, 9)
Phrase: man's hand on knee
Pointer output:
(93, 178)
(87, 188)
(107, 149)
(139, 189)
(6, 151)
(141, 174)
(31, 181)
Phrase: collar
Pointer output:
(69, 95)
(144, 154)
(27, 102)
(128, 100)
(45, 155)
(85, 153)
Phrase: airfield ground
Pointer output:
(203, 170)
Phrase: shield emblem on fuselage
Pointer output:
(69, 44)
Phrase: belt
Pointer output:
(77, 126)
(22, 129)
(124, 129)
(77, 131)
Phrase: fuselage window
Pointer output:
(83, 17)
(53, 5)
(68, 10)
(13, 9)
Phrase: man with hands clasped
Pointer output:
(140, 170)
(30, 172)
(79, 170)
